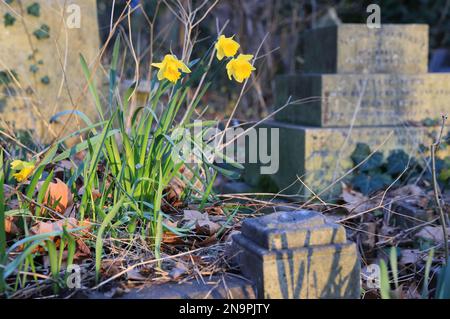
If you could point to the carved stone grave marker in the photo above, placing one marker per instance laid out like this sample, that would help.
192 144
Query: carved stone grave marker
298 255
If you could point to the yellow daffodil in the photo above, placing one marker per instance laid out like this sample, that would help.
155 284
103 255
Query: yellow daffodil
226 47
24 168
240 68
169 68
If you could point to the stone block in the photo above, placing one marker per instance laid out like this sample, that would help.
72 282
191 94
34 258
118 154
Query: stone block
42 50
298 255
362 100
354 48
319 156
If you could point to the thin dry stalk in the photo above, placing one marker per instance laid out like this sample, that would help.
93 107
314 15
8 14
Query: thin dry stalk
436 189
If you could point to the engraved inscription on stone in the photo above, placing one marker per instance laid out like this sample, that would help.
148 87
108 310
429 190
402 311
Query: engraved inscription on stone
354 48
372 99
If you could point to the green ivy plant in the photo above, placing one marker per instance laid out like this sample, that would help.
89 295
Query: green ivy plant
34 9
43 32
45 80
9 19
377 173
6 77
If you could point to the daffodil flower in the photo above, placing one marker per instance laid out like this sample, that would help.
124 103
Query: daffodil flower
169 68
24 168
240 68
226 47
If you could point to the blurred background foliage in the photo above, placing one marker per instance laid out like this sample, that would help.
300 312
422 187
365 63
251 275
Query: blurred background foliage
250 21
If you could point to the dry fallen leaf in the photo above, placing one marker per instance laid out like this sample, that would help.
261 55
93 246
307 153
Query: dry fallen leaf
200 222
82 249
356 202
95 192
59 193
409 256
10 227
177 271
433 233
111 267
48 227
177 184
214 210
408 191
368 234
171 238
135 274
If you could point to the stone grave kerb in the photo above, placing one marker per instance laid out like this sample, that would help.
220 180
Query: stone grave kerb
298 255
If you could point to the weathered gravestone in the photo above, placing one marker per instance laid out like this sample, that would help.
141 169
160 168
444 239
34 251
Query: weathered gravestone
298 255
369 86
40 70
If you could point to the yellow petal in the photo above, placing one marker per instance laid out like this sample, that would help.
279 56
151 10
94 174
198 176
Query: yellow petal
231 68
160 74
158 65
17 164
23 174
169 68
220 55
172 74
183 67
246 57
226 47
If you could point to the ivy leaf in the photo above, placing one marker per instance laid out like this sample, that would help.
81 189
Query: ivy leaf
34 9
45 80
368 184
397 161
42 32
5 77
361 152
9 19
34 68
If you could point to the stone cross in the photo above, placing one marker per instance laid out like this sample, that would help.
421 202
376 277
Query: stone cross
40 70
298 255
359 85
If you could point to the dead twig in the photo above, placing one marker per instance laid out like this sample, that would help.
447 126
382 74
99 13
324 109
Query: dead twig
436 190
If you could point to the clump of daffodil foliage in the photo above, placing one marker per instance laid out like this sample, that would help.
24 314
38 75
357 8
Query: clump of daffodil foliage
127 182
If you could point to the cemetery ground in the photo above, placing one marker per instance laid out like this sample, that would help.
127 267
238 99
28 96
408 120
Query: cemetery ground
113 205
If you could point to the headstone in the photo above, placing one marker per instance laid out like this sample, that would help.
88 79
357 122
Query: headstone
321 155
355 48
377 99
298 255
363 86
40 70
